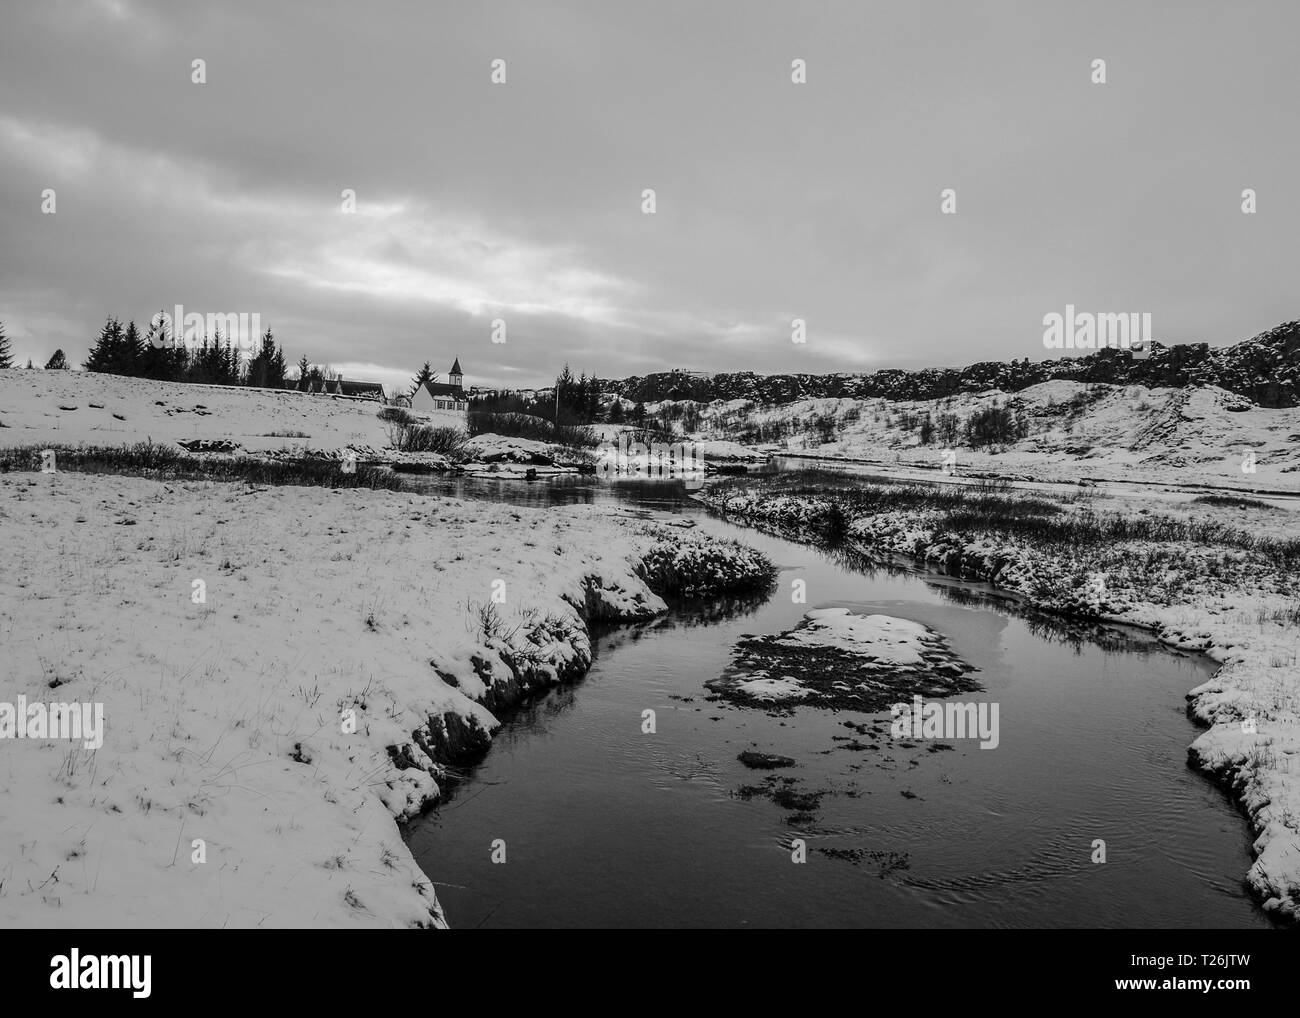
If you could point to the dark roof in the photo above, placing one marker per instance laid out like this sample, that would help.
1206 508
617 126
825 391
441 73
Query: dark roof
338 387
455 368
443 389
361 388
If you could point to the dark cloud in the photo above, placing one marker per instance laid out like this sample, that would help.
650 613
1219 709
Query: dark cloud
522 201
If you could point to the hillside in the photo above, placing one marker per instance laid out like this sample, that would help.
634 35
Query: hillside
1054 431
70 407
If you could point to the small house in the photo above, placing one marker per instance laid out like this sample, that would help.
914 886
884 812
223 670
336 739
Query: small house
446 402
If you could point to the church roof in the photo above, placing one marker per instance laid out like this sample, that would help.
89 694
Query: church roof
455 368
443 389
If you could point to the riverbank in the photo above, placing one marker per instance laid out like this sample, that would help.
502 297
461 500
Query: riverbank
1199 583
285 674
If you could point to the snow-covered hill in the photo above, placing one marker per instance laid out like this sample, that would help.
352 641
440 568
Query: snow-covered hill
1063 431
72 407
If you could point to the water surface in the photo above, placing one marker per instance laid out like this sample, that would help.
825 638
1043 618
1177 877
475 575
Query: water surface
606 826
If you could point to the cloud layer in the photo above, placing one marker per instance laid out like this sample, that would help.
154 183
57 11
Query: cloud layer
522 201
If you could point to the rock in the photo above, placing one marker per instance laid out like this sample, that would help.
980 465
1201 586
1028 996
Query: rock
764 761
208 445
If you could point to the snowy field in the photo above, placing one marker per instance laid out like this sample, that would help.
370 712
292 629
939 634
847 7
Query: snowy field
273 665
71 407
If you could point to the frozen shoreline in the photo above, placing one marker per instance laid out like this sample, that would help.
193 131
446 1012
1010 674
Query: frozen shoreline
226 717
1255 686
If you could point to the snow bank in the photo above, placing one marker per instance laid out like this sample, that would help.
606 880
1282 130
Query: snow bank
488 448
785 688
882 637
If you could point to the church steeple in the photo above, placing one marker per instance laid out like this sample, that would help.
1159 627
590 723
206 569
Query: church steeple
454 377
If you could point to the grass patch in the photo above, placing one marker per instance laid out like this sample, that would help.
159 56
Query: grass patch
868 497
990 509
1232 501
145 459
1289 616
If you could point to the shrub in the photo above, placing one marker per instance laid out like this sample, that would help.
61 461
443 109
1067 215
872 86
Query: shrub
1232 502
677 568
515 425
993 426
396 415
426 438
145 459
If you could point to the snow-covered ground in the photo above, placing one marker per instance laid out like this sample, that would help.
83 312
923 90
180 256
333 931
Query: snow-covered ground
74 407
224 715
879 637
276 667
1235 604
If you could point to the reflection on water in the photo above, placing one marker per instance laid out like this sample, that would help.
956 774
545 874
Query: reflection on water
708 613
562 489
609 825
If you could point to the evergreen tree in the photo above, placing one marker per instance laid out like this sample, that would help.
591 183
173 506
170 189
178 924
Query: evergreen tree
231 369
158 359
196 361
132 359
303 368
278 368
425 374
571 396
213 363
577 397
57 363
106 354
266 370
6 353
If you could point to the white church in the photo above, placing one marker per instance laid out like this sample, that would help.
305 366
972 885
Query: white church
446 402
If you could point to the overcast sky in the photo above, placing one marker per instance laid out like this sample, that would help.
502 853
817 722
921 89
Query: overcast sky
523 200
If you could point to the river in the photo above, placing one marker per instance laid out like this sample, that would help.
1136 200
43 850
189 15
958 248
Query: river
606 826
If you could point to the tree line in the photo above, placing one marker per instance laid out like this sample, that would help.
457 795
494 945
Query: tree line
575 401
122 350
